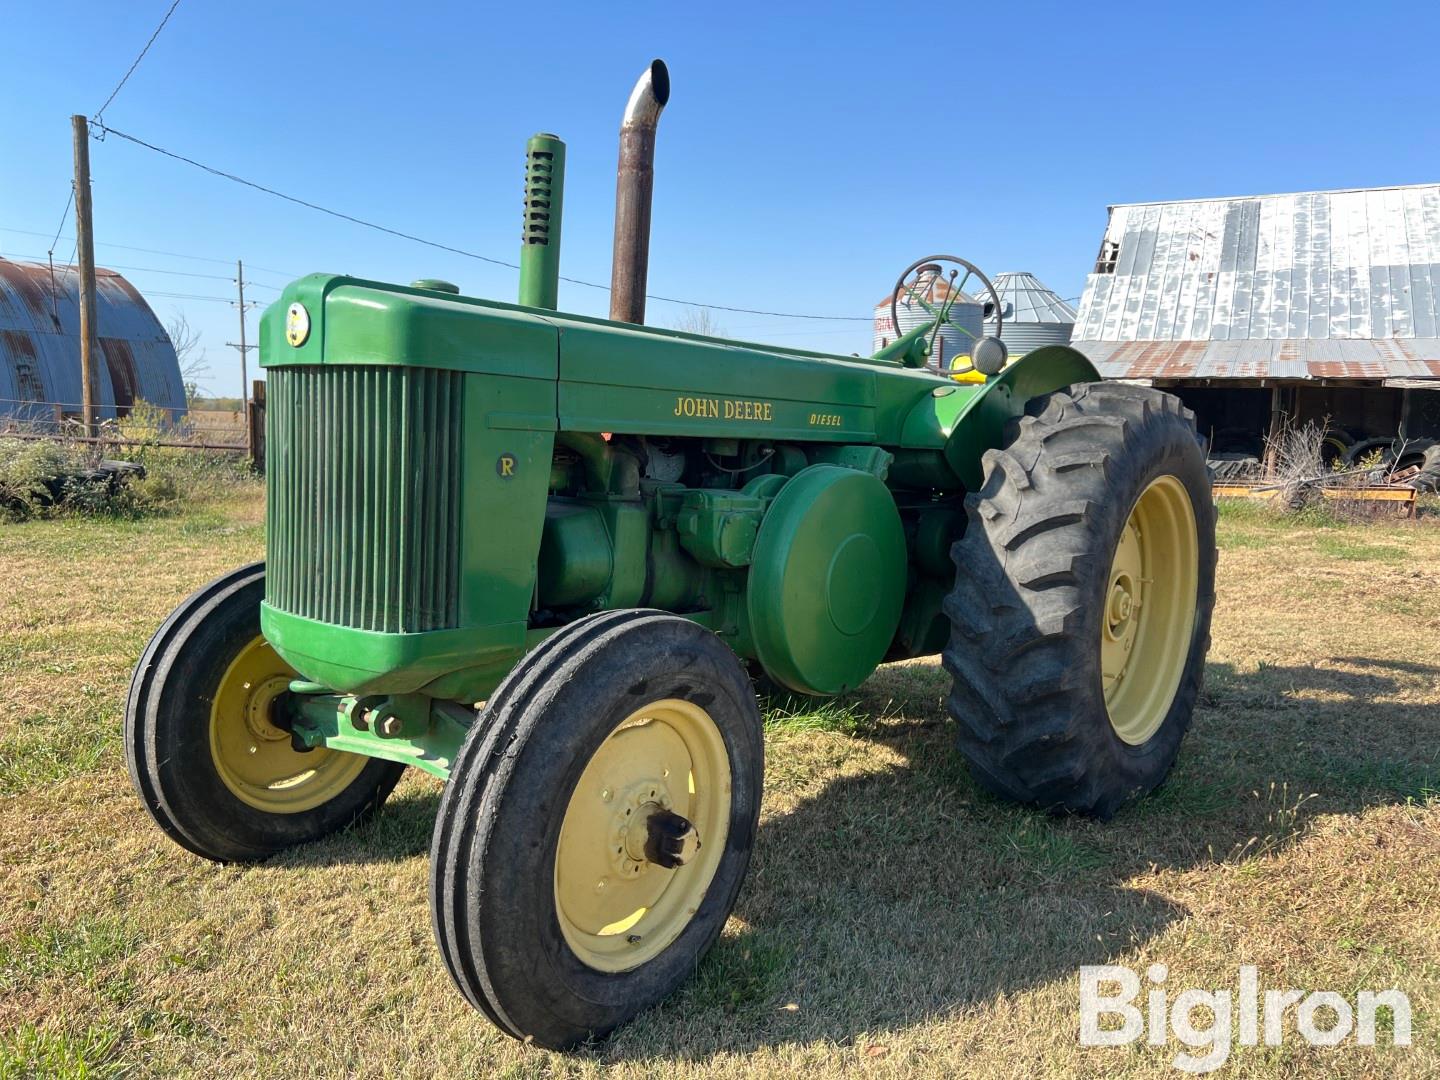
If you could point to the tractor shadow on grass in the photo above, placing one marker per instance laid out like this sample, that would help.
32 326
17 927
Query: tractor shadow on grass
903 893
400 831
900 892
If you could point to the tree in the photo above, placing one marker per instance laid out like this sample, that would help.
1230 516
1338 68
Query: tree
186 342
699 321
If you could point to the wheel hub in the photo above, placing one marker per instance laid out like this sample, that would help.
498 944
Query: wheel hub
260 708
1122 605
630 823
254 757
1149 610
630 865
670 840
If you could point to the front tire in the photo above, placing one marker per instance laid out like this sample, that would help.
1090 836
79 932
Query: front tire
1081 610
210 768
555 907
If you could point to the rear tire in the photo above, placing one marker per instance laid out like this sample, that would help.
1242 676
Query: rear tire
1088 560
547 929
193 716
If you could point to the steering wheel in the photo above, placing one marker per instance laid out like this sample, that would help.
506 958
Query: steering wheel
925 284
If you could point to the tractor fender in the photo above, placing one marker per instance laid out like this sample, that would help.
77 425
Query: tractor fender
980 424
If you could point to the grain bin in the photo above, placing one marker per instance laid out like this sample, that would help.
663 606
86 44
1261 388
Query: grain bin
963 325
40 346
1033 314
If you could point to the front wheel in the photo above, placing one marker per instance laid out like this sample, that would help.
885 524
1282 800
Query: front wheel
597 825
1081 612
211 768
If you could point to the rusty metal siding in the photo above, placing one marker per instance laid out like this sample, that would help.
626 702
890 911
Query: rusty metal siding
40 344
1272 358
1350 280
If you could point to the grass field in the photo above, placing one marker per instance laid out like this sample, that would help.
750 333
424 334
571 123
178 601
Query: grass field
895 920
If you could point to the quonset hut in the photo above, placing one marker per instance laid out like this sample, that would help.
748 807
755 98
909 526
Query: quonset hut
40 346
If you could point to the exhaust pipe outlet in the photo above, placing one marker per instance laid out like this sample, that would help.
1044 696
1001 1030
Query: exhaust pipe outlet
634 186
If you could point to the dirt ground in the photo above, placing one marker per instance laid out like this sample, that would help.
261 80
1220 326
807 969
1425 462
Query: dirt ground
895 920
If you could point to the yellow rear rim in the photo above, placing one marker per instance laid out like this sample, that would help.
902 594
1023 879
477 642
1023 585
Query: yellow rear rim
616 908
253 757
1149 615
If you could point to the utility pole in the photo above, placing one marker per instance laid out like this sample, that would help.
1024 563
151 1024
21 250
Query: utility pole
85 245
244 372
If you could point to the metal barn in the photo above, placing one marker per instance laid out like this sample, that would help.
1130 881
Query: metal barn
1320 305
40 346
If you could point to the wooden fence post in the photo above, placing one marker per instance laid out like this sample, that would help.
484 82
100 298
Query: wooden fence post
255 421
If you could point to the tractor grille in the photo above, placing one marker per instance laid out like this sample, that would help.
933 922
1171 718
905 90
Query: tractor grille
363 495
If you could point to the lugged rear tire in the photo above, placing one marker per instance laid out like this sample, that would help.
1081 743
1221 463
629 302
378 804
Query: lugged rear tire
522 782
178 766
1037 593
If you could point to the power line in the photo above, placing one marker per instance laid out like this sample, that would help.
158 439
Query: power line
69 201
107 130
158 270
126 78
198 296
156 251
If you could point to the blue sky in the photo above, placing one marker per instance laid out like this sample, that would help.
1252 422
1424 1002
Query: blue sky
809 151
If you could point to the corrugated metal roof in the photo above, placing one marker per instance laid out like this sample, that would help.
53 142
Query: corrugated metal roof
1296 358
40 343
1322 284
1029 299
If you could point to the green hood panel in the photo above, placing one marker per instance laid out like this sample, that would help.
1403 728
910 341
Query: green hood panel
364 322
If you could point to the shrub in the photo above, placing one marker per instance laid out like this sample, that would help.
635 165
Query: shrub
31 472
46 478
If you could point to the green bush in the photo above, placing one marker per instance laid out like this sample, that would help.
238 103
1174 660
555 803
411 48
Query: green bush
176 474
43 478
28 468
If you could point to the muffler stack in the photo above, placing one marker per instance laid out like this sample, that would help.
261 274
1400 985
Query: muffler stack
634 184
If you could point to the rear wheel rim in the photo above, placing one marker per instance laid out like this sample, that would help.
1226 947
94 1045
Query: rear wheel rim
616 909
1149 610
255 759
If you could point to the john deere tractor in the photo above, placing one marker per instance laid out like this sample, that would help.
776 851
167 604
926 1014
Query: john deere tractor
542 556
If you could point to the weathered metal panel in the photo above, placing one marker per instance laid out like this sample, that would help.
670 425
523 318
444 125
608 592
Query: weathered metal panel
1270 358
1358 266
1422 254
40 345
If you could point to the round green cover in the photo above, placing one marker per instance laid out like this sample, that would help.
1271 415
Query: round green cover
828 580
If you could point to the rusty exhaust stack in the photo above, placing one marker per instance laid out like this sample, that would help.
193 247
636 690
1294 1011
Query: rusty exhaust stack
634 184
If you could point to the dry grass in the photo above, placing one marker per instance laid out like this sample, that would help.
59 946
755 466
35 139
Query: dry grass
895 919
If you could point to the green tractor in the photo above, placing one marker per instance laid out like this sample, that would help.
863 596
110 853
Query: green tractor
542 556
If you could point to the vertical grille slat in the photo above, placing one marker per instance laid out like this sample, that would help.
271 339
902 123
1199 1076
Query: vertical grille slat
363 499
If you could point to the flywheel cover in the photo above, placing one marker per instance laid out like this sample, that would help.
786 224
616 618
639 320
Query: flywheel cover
827 582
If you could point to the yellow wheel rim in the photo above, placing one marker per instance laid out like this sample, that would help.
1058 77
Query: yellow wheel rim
616 908
253 757
1149 616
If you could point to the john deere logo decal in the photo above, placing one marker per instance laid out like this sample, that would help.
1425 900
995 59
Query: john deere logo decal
297 325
